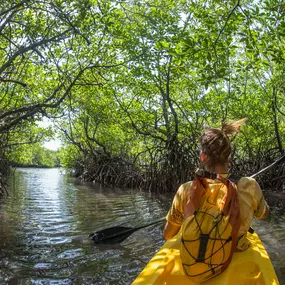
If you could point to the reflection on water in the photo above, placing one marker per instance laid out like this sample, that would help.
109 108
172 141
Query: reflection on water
44 226
45 222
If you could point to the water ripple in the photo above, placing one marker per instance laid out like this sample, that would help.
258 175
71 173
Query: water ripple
45 222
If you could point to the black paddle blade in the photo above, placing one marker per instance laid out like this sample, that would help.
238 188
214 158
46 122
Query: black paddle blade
117 234
112 235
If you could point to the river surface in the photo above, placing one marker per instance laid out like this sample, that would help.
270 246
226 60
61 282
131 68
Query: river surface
46 220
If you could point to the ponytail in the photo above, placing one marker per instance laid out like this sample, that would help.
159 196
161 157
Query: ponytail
233 127
215 143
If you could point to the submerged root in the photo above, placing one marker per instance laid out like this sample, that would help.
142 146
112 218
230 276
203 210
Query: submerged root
165 176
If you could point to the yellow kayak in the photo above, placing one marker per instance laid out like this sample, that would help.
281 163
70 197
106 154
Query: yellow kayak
251 267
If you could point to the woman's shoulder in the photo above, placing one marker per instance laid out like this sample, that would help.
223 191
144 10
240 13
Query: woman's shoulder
248 184
183 190
246 180
185 186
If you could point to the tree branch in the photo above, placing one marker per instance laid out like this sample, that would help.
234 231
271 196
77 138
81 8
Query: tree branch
93 139
14 7
13 81
33 46
225 24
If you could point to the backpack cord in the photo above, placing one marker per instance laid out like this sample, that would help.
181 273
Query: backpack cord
204 238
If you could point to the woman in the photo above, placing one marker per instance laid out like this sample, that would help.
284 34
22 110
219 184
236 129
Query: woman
214 155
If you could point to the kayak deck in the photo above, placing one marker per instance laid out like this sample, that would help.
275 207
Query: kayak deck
251 267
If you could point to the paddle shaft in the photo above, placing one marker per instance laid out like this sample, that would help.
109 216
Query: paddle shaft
150 224
269 166
131 230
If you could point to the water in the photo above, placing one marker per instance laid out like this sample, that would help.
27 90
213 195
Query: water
46 220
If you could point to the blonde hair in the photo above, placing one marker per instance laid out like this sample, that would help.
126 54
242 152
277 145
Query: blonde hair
215 143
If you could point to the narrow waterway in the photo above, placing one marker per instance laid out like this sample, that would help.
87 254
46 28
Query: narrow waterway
46 220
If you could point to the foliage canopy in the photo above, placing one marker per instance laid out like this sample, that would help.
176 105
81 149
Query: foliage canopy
131 84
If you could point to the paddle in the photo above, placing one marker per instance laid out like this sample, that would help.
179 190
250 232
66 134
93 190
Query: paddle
118 234
269 166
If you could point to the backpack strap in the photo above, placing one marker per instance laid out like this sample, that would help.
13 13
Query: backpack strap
234 178
232 209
